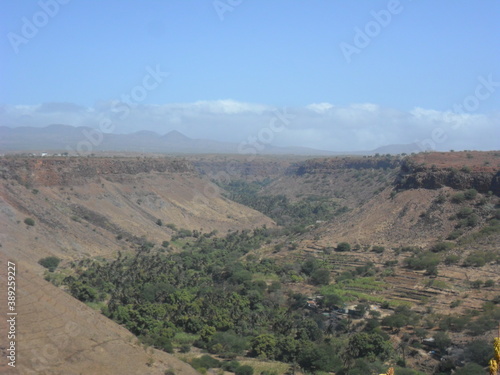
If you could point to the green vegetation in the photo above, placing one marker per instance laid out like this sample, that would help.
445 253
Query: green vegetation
423 261
479 258
207 296
29 221
458 198
50 263
278 207
343 246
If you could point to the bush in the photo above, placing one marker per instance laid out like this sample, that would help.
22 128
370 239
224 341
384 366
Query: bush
489 283
29 221
205 361
422 261
343 246
470 194
478 259
454 235
451 259
441 198
244 370
320 277
464 212
479 351
227 343
476 284
231 366
441 246
472 220
378 249
50 263
458 198
442 340
470 369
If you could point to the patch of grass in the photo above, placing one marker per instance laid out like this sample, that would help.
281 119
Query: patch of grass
183 338
266 277
435 283
279 368
95 305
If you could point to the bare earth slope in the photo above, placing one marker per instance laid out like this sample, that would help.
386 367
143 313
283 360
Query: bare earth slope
87 207
57 334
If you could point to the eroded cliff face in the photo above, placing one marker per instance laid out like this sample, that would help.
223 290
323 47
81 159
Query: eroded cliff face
97 206
414 176
331 165
69 171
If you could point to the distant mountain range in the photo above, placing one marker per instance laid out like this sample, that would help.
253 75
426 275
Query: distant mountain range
85 140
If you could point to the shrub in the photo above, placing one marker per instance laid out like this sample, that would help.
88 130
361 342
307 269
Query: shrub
422 261
476 284
464 212
489 283
244 370
441 246
29 221
227 343
320 277
343 246
378 249
205 361
442 340
470 369
470 221
454 235
478 351
231 366
457 198
441 198
470 194
478 259
50 263
451 259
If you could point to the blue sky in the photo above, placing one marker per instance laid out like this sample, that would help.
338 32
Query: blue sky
231 62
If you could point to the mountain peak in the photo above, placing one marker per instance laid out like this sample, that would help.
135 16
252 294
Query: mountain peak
176 136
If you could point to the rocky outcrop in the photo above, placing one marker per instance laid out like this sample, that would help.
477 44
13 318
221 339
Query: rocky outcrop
330 165
413 176
68 171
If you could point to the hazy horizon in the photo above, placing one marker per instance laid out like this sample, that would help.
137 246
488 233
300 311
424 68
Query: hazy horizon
325 75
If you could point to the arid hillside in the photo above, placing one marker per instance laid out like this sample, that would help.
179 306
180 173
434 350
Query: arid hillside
59 335
75 208
97 206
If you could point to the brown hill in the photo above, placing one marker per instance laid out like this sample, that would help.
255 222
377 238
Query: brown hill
84 207
58 335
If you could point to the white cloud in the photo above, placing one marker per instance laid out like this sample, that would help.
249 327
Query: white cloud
362 126
320 107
